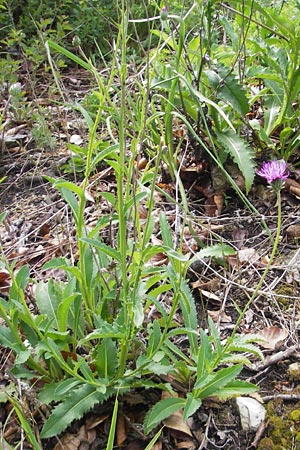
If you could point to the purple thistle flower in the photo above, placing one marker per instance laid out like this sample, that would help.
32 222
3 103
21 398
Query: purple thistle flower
275 172
164 13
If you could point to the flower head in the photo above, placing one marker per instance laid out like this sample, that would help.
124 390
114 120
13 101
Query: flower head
275 172
164 13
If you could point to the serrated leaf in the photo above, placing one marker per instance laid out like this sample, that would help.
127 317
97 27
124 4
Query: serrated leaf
192 405
73 407
54 392
163 409
217 381
215 251
189 314
229 89
106 358
236 388
271 114
247 348
204 355
48 297
241 153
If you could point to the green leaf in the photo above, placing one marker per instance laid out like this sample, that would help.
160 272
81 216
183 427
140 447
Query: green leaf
48 297
106 358
72 407
236 388
163 409
103 248
68 54
215 251
154 339
229 89
55 392
204 356
271 114
166 231
189 313
241 153
217 381
192 405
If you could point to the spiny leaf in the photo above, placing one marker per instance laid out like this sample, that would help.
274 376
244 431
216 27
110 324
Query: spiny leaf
241 153
73 407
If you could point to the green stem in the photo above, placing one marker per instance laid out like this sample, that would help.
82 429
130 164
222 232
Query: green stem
122 238
265 273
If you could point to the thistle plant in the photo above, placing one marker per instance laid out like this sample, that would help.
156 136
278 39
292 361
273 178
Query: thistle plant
275 172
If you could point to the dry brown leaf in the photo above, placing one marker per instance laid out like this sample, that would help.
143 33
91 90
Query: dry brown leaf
94 421
210 295
68 442
248 256
219 316
239 235
86 436
273 337
157 446
175 422
190 445
219 202
121 431
292 187
293 231
211 285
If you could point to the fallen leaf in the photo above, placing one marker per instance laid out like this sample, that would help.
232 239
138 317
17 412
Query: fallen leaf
219 316
175 422
68 442
121 431
293 231
210 295
248 255
190 445
272 337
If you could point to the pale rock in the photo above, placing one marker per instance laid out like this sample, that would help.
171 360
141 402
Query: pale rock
252 413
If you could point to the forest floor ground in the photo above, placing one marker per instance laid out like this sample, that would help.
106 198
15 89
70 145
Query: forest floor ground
38 227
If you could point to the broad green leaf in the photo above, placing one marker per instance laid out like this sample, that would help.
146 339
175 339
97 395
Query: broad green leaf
204 355
54 392
189 313
104 154
166 231
22 279
48 296
236 388
271 114
246 348
215 251
7 338
163 409
154 339
228 89
105 358
240 152
192 405
217 381
63 312
72 407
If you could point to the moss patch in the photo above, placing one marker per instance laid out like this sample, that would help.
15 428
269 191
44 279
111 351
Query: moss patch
283 430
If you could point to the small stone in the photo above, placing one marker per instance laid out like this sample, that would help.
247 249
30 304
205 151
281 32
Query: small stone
294 371
252 413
